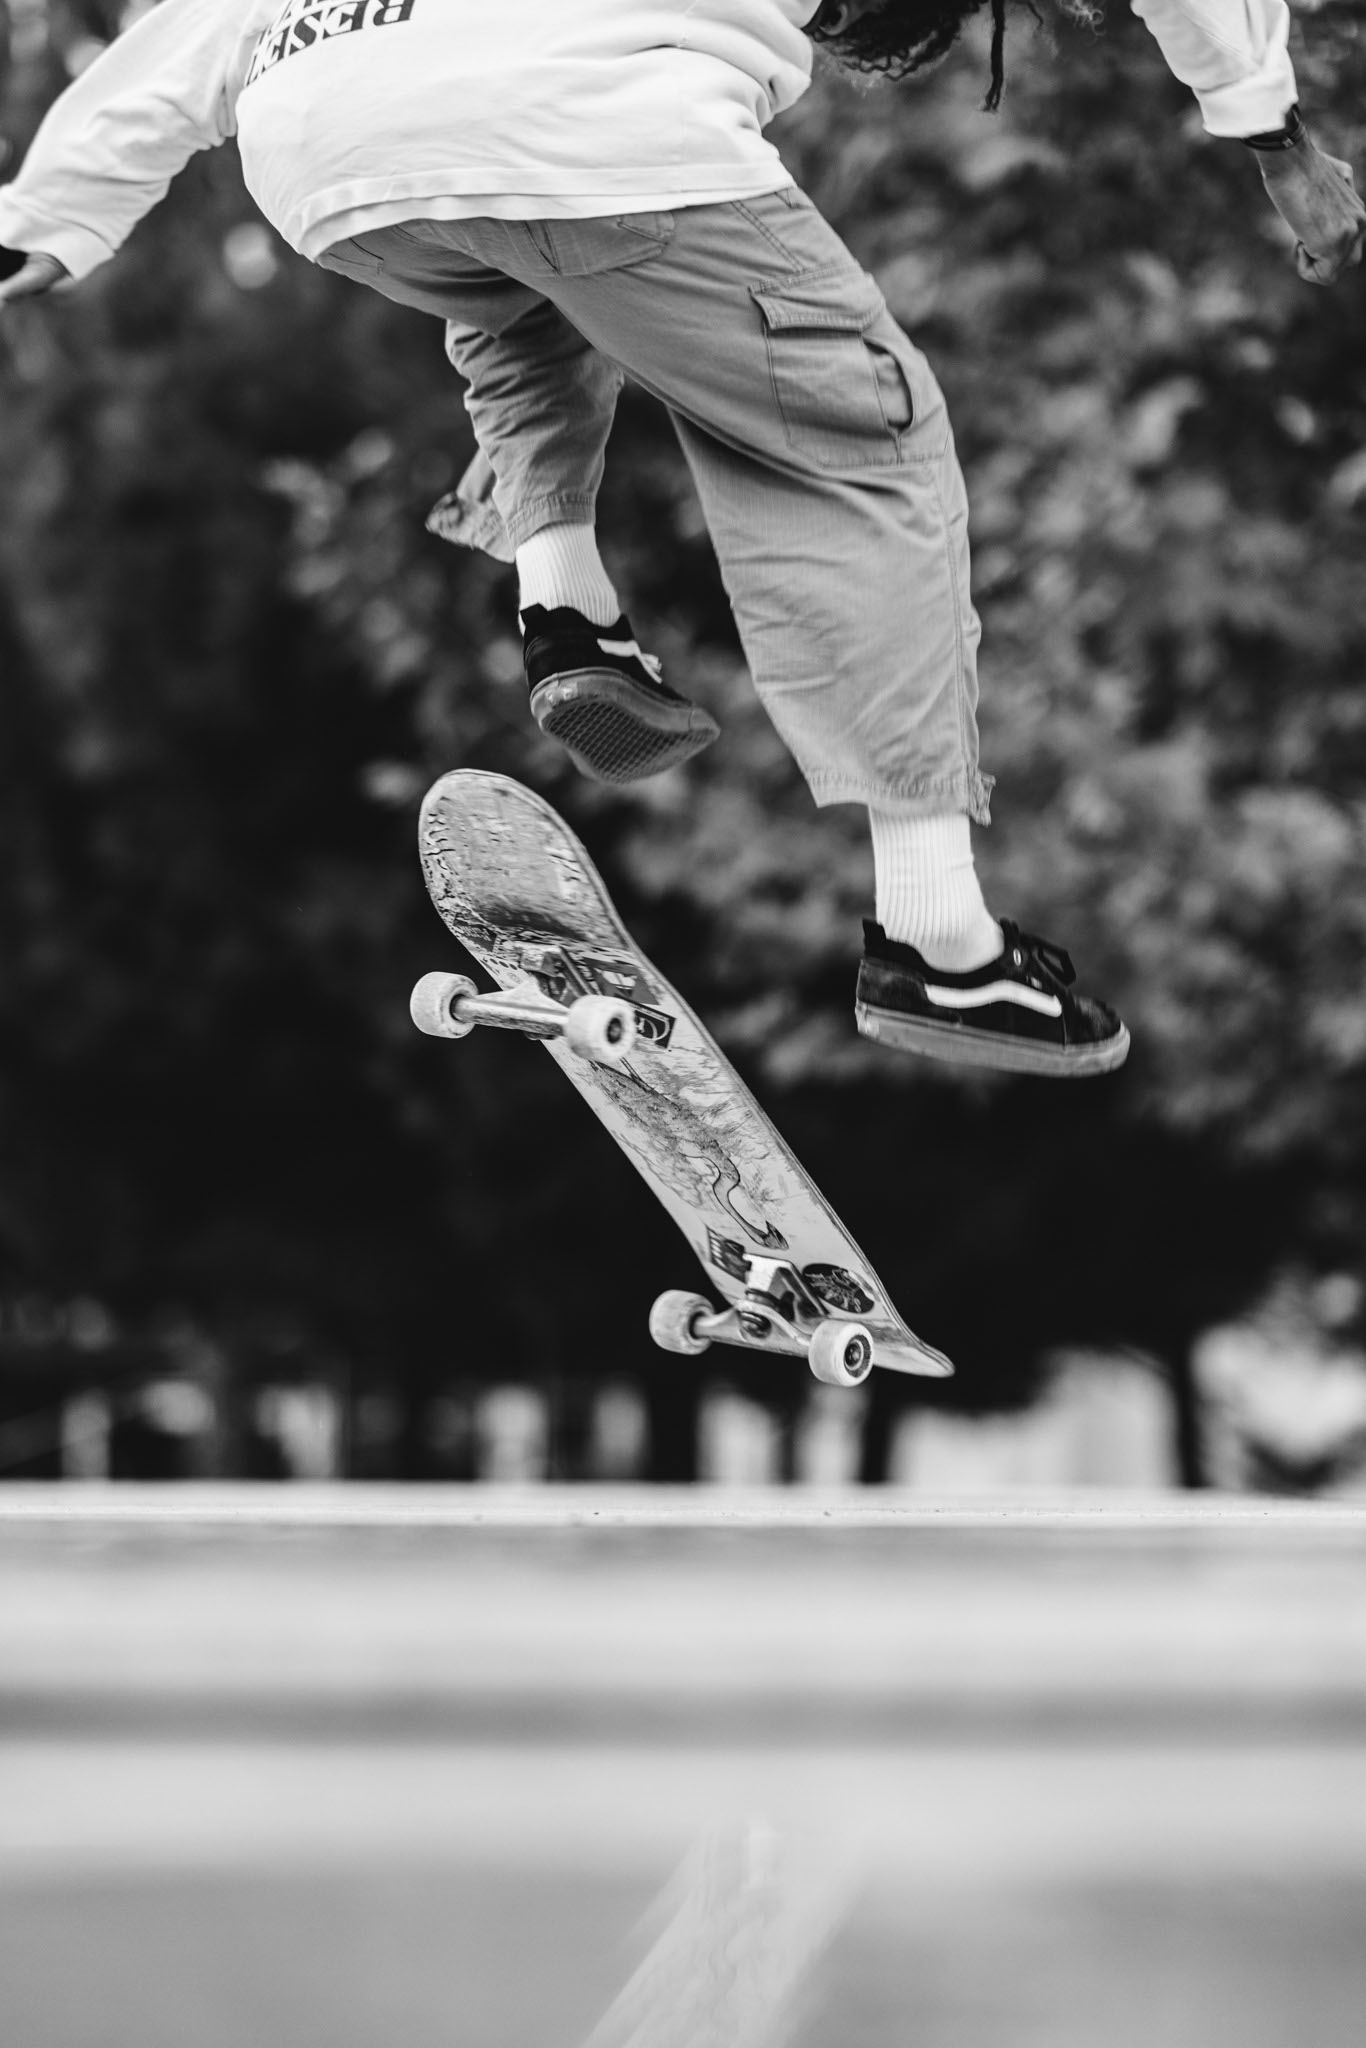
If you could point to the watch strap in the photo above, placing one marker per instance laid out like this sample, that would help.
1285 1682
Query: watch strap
1287 137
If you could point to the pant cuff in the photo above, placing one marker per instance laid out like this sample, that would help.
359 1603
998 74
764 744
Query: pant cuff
467 524
968 792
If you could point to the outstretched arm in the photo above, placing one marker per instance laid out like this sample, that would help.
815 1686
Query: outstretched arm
1234 55
111 143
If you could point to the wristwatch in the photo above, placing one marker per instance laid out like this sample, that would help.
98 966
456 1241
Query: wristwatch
1287 137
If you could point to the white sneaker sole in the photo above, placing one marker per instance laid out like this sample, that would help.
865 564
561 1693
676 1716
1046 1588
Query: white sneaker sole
613 730
959 1045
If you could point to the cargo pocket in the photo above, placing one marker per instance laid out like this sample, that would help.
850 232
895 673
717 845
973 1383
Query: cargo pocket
842 370
350 259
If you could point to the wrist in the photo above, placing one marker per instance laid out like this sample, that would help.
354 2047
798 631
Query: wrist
1290 136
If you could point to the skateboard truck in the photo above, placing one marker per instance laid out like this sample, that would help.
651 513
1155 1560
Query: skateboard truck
776 1312
601 1028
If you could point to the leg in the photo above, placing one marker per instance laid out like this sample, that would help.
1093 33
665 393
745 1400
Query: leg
540 399
821 447
816 432
542 402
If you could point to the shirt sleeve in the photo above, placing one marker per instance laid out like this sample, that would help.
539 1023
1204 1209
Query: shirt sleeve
112 142
1233 54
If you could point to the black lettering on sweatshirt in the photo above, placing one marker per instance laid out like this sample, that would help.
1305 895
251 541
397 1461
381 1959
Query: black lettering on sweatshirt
302 23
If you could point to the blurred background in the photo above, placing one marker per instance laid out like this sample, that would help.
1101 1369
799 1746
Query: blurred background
252 1224
1020 1715
330 1766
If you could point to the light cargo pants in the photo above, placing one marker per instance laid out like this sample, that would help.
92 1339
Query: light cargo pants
816 433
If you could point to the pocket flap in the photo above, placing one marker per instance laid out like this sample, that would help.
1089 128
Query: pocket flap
821 298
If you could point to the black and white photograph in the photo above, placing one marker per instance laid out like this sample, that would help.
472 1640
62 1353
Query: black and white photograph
682 1023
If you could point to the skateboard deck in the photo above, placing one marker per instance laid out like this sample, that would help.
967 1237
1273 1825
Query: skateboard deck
517 889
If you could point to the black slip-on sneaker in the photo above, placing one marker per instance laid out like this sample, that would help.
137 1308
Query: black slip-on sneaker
604 701
1018 1013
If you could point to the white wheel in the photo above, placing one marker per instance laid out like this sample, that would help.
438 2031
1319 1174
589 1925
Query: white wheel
432 1004
600 1028
672 1319
841 1354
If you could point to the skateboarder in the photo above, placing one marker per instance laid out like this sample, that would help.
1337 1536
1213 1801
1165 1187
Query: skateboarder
582 189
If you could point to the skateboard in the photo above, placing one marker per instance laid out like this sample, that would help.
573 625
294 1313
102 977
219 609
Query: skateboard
517 889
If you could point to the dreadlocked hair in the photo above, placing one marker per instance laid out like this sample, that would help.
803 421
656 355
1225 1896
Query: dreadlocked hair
902 36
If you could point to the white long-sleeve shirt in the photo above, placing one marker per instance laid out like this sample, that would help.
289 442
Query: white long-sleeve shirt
354 114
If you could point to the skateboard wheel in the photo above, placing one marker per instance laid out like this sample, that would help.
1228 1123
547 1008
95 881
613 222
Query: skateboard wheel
601 1028
432 1004
672 1319
841 1354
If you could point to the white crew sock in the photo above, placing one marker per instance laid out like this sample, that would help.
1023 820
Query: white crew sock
928 895
561 565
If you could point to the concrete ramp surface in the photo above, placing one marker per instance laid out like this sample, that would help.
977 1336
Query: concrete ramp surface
351 1765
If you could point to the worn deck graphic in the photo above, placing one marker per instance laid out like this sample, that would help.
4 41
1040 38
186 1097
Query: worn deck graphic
519 892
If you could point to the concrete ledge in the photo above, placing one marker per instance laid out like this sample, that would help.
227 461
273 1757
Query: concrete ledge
603 1615
362 1506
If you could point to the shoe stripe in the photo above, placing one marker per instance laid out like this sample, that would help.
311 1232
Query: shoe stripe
994 992
631 650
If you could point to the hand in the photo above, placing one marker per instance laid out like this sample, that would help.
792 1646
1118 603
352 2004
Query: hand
36 273
1316 197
